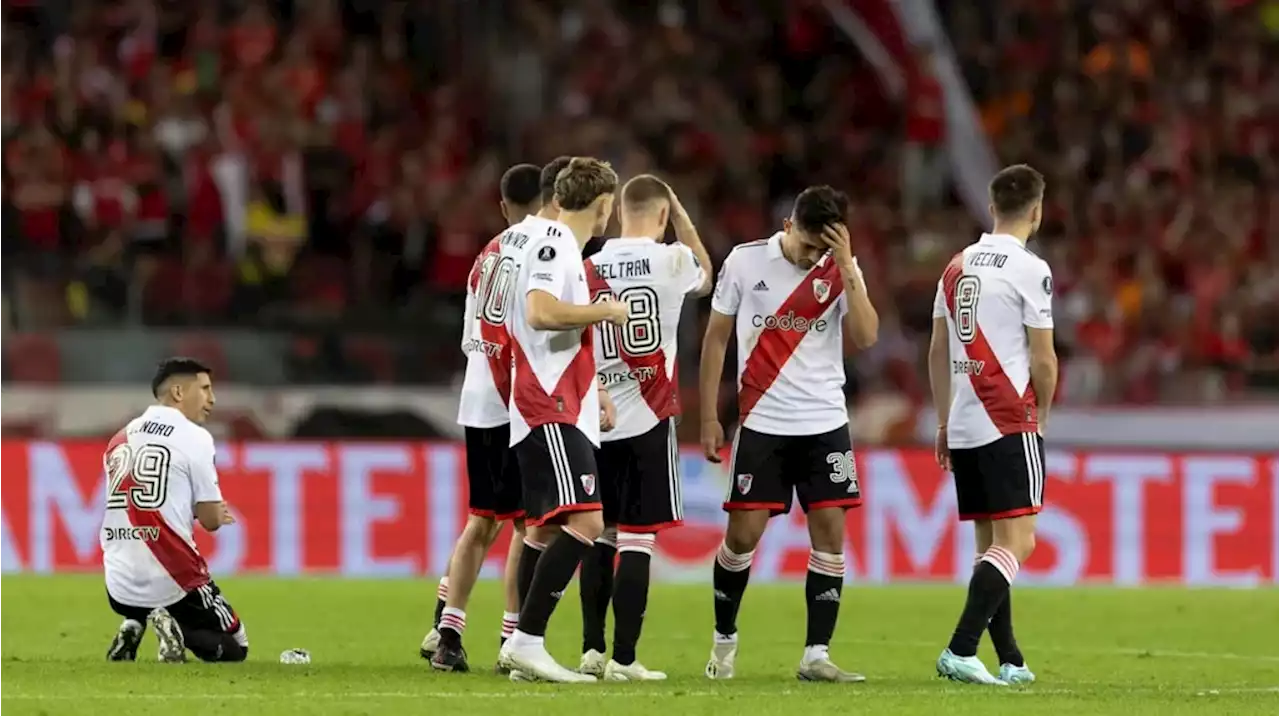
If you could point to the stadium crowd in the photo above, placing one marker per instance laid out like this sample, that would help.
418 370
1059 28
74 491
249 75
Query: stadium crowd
315 162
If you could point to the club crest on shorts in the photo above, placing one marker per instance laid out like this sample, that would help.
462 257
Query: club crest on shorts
821 289
588 483
744 483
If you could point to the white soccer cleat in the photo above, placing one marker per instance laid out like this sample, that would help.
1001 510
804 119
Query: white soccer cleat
532 660
1011 674
825 670
430 643
519 677
173 650
723 655
635 671
592 663
965 669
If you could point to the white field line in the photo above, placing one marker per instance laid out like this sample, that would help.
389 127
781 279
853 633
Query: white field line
596 692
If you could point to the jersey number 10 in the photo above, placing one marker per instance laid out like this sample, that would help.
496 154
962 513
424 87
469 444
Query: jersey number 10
148 466
496 275
642 335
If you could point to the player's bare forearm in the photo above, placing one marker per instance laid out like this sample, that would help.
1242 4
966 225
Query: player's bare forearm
939 370
548 313
1044 368
714 345
861 323
687 234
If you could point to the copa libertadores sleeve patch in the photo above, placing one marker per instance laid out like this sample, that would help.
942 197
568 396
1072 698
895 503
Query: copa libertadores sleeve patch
546 253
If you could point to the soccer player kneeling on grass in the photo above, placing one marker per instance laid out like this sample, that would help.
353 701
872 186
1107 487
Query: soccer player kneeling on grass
792 299
160 478
993 372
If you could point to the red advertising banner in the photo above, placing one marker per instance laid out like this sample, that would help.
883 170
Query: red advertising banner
394 509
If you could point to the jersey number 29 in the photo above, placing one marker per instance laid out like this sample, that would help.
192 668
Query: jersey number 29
642 335
148 465
966 308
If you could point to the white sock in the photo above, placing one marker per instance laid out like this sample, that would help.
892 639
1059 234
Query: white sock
726 639
519 639
814 653
453 618
509 621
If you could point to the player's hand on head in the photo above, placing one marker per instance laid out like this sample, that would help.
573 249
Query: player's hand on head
712 440
836 237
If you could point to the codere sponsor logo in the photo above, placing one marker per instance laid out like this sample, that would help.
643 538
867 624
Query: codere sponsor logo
789 321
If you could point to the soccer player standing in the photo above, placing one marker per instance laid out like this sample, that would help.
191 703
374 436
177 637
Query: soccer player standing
555 406
493 477
487 393
639 458
993 372
160 479
791 299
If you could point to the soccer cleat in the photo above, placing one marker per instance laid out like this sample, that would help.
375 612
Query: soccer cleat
532 660
825 670
450 657
519 677
592 663
720 665
125 646
1011 674
173 650
635 671
965 669
430 643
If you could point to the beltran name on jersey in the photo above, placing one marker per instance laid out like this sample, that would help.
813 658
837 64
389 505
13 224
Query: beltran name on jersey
486 386
553 372
157 469
990 293
636 362
790 339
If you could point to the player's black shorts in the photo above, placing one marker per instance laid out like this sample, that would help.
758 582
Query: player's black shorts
493 474
1001 479
558 472
640 480
765 469
202 609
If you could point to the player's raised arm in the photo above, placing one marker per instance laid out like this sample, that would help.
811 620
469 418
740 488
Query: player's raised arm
861 322
940 376
687 234
1037 318
550 273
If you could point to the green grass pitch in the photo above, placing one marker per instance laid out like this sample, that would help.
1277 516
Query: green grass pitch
1095 650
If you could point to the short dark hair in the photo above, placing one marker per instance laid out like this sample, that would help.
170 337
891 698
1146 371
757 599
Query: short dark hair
547 182
583 181
818 207
1015 190
521 185
643 189
177 366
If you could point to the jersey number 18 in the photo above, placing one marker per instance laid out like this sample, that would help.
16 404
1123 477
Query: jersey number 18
642 335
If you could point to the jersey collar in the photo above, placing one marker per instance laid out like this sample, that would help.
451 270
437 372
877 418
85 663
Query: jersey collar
774 247
998 238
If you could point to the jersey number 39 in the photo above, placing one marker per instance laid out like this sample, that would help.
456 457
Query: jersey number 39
642 334
146 471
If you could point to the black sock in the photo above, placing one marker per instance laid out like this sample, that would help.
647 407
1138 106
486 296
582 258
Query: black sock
442 593
529 556
596 588
822 588
988 587
631 594
554 571
1001 631
212 645
729 580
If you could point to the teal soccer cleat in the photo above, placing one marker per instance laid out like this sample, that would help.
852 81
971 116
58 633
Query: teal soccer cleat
966 669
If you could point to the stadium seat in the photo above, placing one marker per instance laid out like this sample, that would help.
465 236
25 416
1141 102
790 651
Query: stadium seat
33 358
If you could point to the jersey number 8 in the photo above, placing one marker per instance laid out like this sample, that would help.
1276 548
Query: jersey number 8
148 466
496 275
642 335
966 308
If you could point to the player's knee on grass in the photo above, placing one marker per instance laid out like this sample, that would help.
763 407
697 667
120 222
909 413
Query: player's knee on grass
826 529
1016 534
745 529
